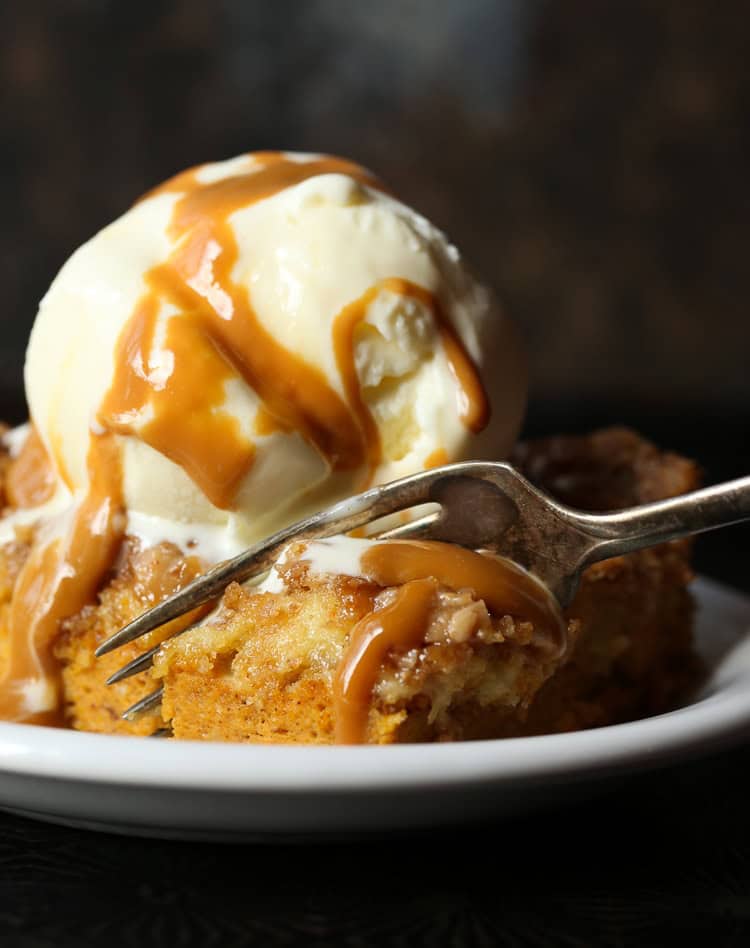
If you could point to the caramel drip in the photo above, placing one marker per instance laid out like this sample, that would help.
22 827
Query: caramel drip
186 423
438 458
57 580
30 479
505 587
219 327
416 566
399 626
344 328
473 404
265 424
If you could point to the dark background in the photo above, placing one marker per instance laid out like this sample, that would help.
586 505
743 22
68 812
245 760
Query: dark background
591 158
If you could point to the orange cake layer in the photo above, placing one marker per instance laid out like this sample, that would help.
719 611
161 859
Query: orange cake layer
265 669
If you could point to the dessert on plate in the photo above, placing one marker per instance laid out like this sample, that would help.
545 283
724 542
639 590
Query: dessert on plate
252 341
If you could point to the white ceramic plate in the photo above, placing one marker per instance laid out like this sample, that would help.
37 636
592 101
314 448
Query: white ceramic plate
194 790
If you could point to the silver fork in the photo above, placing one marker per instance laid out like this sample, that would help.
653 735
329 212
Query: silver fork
482 505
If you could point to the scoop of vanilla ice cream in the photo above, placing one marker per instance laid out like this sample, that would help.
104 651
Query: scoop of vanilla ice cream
303 255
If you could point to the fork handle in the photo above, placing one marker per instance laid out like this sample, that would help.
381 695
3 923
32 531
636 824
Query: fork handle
683 516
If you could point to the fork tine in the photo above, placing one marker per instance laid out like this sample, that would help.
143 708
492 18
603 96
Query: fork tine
346 515
145 704
143 661
412 530
197 593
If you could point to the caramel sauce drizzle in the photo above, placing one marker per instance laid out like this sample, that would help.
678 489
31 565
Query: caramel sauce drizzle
437 458
266 424
58 580
217 319
30 479
417 568
399 626
187 423
473 404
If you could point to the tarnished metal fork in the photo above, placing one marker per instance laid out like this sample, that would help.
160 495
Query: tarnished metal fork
482 505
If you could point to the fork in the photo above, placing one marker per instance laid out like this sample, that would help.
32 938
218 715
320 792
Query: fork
481 505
